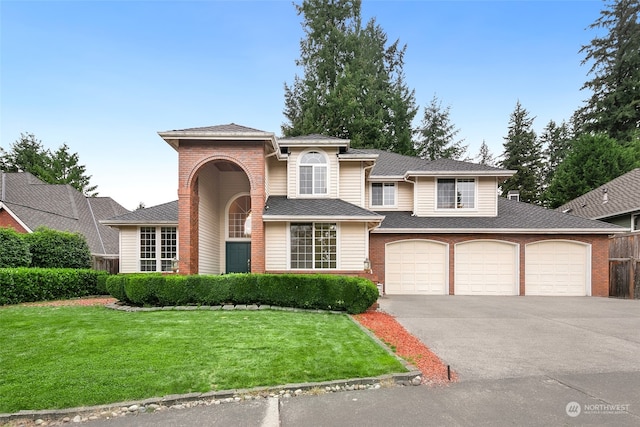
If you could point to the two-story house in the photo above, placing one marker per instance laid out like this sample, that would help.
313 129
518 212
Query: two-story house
249 201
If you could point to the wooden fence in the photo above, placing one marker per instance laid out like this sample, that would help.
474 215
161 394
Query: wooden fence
112 265
624 266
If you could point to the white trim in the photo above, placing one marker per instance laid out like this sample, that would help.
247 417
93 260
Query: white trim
313 227
320 218
158 259
383 206
446 261
15 217
442 174
455 208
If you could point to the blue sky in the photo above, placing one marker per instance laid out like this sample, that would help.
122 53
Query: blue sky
105 76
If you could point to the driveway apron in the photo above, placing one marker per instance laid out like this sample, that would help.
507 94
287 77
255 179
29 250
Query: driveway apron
487 337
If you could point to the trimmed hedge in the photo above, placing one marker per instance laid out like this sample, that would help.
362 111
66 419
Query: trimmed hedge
14 250
312 291
58 249
19 285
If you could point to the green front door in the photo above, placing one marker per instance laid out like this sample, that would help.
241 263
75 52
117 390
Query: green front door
238 257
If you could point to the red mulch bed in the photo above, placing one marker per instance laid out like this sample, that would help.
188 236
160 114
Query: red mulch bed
385 327
76 301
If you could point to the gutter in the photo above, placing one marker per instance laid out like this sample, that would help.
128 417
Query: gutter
498 231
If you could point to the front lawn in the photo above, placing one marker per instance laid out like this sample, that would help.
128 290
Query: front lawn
58 357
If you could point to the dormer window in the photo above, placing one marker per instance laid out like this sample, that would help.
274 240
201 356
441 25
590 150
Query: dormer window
456 193
313 173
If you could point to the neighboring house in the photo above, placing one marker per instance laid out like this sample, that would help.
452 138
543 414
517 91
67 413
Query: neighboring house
27 203
616 202
248 201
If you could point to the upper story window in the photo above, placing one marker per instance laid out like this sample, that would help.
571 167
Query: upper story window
383 194
313 173
456 193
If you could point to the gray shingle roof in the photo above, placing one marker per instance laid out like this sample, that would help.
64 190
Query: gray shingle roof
512 216
314 137
61 207
227 128
166 213
393 164
281 206
623 196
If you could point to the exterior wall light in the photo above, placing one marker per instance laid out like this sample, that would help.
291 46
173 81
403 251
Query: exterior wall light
247 225
367 265
174 264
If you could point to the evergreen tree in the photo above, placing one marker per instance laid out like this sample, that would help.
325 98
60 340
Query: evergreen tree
353 85
61 167
594 160
556 144
522 153
614 106
485 157
436 137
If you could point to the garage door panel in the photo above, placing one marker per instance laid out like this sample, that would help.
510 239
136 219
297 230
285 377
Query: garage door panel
486 267
416 267
557 268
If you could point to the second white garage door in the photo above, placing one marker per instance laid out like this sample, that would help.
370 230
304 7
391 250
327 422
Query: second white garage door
416 267
486 267
557 267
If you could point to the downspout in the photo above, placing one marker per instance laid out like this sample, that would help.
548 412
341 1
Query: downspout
2 190
413 213
364 183
95 223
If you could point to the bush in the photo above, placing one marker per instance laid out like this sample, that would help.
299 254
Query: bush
14 250
19 285
312 291
58 249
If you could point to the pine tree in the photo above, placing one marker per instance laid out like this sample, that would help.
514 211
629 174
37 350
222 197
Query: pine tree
522 153
485 157
353 85
436 136
614 106
556 144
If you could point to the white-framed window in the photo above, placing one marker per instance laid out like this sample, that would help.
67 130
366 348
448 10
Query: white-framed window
237 213
457 193
312 176
313 245
158 247
635 222
383 194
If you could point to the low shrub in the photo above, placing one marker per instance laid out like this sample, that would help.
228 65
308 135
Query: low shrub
312 291
19 285
14 250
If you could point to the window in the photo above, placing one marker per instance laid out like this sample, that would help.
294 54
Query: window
313 173
154 241
635 222
456 193
313 246
238 212
383 194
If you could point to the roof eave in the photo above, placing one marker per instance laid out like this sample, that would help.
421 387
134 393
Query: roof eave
501 230
338 218
116 223
498 174
173 137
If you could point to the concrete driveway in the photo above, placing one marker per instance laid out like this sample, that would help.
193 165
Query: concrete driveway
488 337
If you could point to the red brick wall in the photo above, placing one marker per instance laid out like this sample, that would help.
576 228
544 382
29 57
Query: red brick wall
599 253
193 155
6 220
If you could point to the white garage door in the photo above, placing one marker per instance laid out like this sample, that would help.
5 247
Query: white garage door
557 268
486 267
416 267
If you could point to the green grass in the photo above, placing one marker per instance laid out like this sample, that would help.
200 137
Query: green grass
73 356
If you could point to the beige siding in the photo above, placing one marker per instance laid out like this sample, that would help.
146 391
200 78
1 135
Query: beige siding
353 246
486 199
351 186
276 247
277 177
209 227
129 240
405 196
332 172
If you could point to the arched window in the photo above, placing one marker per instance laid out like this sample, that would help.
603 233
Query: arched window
239 209
313 173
